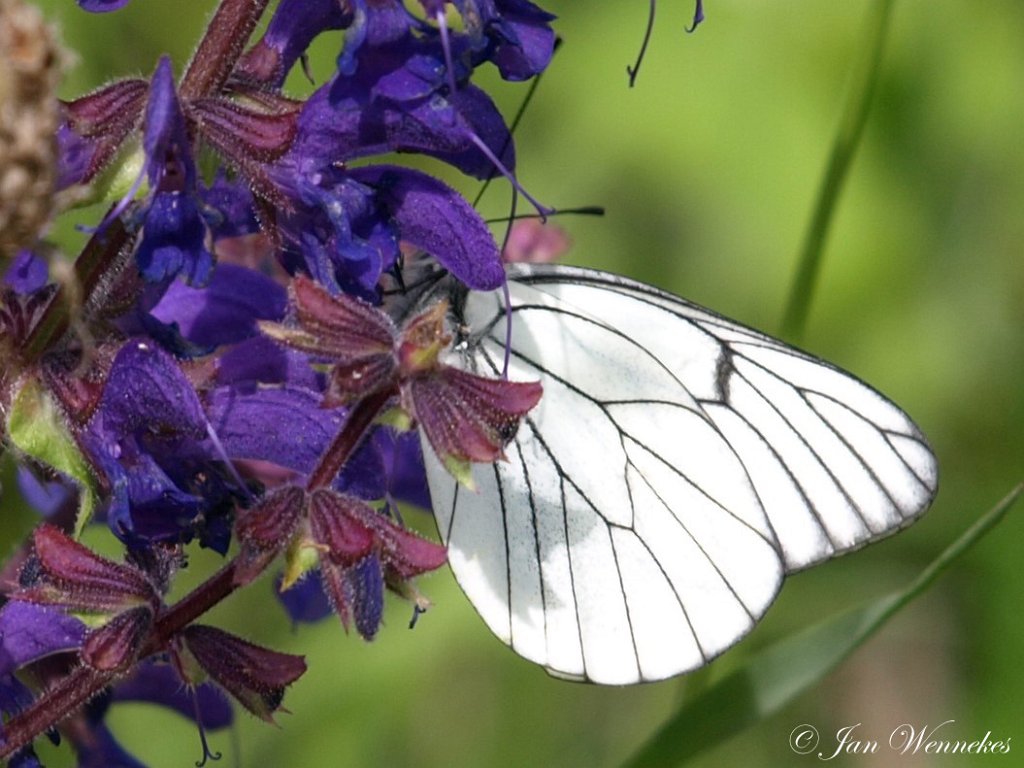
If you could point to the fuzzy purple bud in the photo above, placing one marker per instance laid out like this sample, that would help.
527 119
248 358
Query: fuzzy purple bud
115 646
62 572
266 529
255 676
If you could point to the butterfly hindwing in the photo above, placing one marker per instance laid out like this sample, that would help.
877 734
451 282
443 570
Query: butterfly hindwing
677 466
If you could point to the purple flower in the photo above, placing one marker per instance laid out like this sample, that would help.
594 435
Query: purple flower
47 497
101 6
363 550
29 633
178 214
149 437
173 231
27 273
294 26
226 310
514 34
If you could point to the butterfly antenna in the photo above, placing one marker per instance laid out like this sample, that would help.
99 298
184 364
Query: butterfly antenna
583 210
633 71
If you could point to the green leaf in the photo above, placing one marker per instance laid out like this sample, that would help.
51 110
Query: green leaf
776 675
37 427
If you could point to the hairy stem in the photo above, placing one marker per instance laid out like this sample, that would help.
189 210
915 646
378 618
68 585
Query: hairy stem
358 423
59 702
98 260
215 58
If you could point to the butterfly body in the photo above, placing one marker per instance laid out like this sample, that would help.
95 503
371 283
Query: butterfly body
677 468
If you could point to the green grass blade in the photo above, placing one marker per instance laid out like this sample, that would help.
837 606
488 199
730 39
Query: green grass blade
776 675
863 79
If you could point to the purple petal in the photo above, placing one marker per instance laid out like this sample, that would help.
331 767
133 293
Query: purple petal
27 273
146 389
436 218
250 425
173 240
337 233
364 474
101 750
234 202
165 138
226 310
379 25
29 632
101 6
340 122
402 457
260 360
521 39
479 115
293 27
46 497
366 581
305 601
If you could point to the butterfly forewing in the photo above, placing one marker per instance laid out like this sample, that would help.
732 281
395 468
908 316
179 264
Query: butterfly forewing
677 466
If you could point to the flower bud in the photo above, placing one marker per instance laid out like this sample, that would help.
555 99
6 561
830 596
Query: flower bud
255 676
114 647
60 571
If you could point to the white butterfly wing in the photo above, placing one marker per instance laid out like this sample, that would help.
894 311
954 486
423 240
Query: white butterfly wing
678 465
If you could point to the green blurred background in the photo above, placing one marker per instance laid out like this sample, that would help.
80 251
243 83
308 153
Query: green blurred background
708 170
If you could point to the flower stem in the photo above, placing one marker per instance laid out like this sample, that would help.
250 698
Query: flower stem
218 52
98 259
863 80
59 702
351 434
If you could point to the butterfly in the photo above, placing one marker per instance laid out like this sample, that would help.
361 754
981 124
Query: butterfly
677 468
